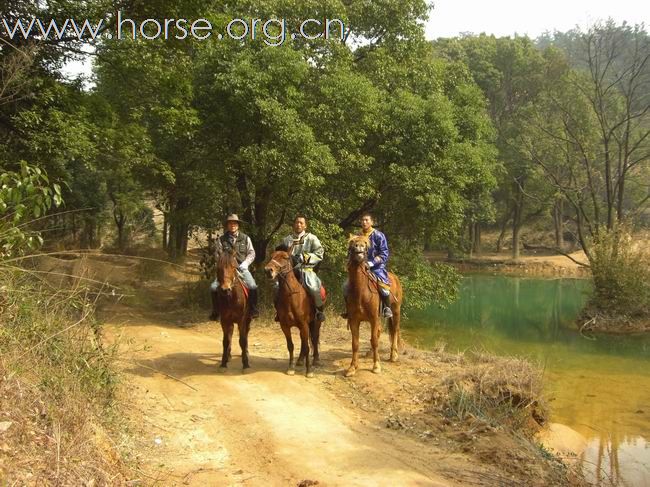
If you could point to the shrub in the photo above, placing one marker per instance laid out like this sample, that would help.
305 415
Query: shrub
58 386
621 272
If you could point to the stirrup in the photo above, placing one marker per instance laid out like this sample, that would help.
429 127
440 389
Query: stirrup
387 312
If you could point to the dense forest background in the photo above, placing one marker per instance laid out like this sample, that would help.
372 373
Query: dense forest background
441 140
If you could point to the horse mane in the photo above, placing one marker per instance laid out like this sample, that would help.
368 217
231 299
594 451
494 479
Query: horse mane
285 253
354 238
283 247
226 259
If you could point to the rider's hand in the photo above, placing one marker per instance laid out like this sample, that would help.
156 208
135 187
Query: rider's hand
242 267
378 260
371 264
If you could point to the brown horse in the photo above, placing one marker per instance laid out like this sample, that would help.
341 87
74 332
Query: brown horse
363 304
233 307
294 308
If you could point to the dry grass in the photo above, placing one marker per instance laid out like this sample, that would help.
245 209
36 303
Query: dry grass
502 391
57 387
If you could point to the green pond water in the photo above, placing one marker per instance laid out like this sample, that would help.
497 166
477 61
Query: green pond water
599 387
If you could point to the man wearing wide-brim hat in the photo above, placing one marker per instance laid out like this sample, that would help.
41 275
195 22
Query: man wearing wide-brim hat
241 245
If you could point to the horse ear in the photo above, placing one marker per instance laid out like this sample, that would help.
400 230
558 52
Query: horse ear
282 248
351 237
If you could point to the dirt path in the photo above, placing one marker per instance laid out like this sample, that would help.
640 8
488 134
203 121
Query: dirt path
263 427
195 426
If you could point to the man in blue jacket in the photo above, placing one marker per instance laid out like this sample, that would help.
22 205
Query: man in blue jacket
378 254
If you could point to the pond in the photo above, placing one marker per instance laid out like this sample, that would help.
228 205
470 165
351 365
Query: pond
598 386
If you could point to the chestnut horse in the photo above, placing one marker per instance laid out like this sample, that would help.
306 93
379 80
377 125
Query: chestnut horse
233 307
363 304
295 308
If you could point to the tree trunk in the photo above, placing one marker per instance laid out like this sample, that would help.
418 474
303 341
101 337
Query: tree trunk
164 230
185 229
476 243
120 234
558 217
504 227
516 223
471 229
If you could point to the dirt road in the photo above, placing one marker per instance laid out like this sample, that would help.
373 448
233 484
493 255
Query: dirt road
263 427
196 426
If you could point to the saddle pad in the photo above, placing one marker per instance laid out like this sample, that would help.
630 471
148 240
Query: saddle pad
323 293
244 288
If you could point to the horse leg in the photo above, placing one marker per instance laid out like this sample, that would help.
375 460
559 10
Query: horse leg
227 329
375 329
243 341
354 328
301 358
393 326
314 335
287 334
304 348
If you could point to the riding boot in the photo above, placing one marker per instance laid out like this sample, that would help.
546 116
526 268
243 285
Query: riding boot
214 296
320 316
385 301
252 302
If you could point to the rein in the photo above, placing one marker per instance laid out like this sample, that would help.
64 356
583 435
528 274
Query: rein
236 280
372 282
283 273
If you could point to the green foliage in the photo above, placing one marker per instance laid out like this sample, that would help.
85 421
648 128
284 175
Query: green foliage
423 282
621 272
25 196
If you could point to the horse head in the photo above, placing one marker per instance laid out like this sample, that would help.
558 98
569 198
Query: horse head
358 248
226 270
279 264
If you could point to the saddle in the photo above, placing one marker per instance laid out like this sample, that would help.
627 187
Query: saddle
373 285
323 291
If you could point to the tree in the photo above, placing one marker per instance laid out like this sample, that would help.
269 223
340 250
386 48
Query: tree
510 73
596 120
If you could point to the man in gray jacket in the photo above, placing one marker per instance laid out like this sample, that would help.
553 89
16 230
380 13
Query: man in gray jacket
306 252
242 246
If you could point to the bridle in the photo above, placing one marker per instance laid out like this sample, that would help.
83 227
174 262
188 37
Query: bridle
283 271
223 269
365 270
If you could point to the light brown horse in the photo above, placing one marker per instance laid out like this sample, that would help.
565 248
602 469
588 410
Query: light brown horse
363 304
233 308
295 309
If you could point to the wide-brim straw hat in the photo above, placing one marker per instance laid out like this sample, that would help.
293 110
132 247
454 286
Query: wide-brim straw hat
233 218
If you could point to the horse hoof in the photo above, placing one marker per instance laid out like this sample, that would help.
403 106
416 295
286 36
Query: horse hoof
376 369
310 375
222 369
394 358
350 372
247 369
291 372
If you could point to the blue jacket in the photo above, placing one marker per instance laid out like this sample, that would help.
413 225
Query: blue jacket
378 248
